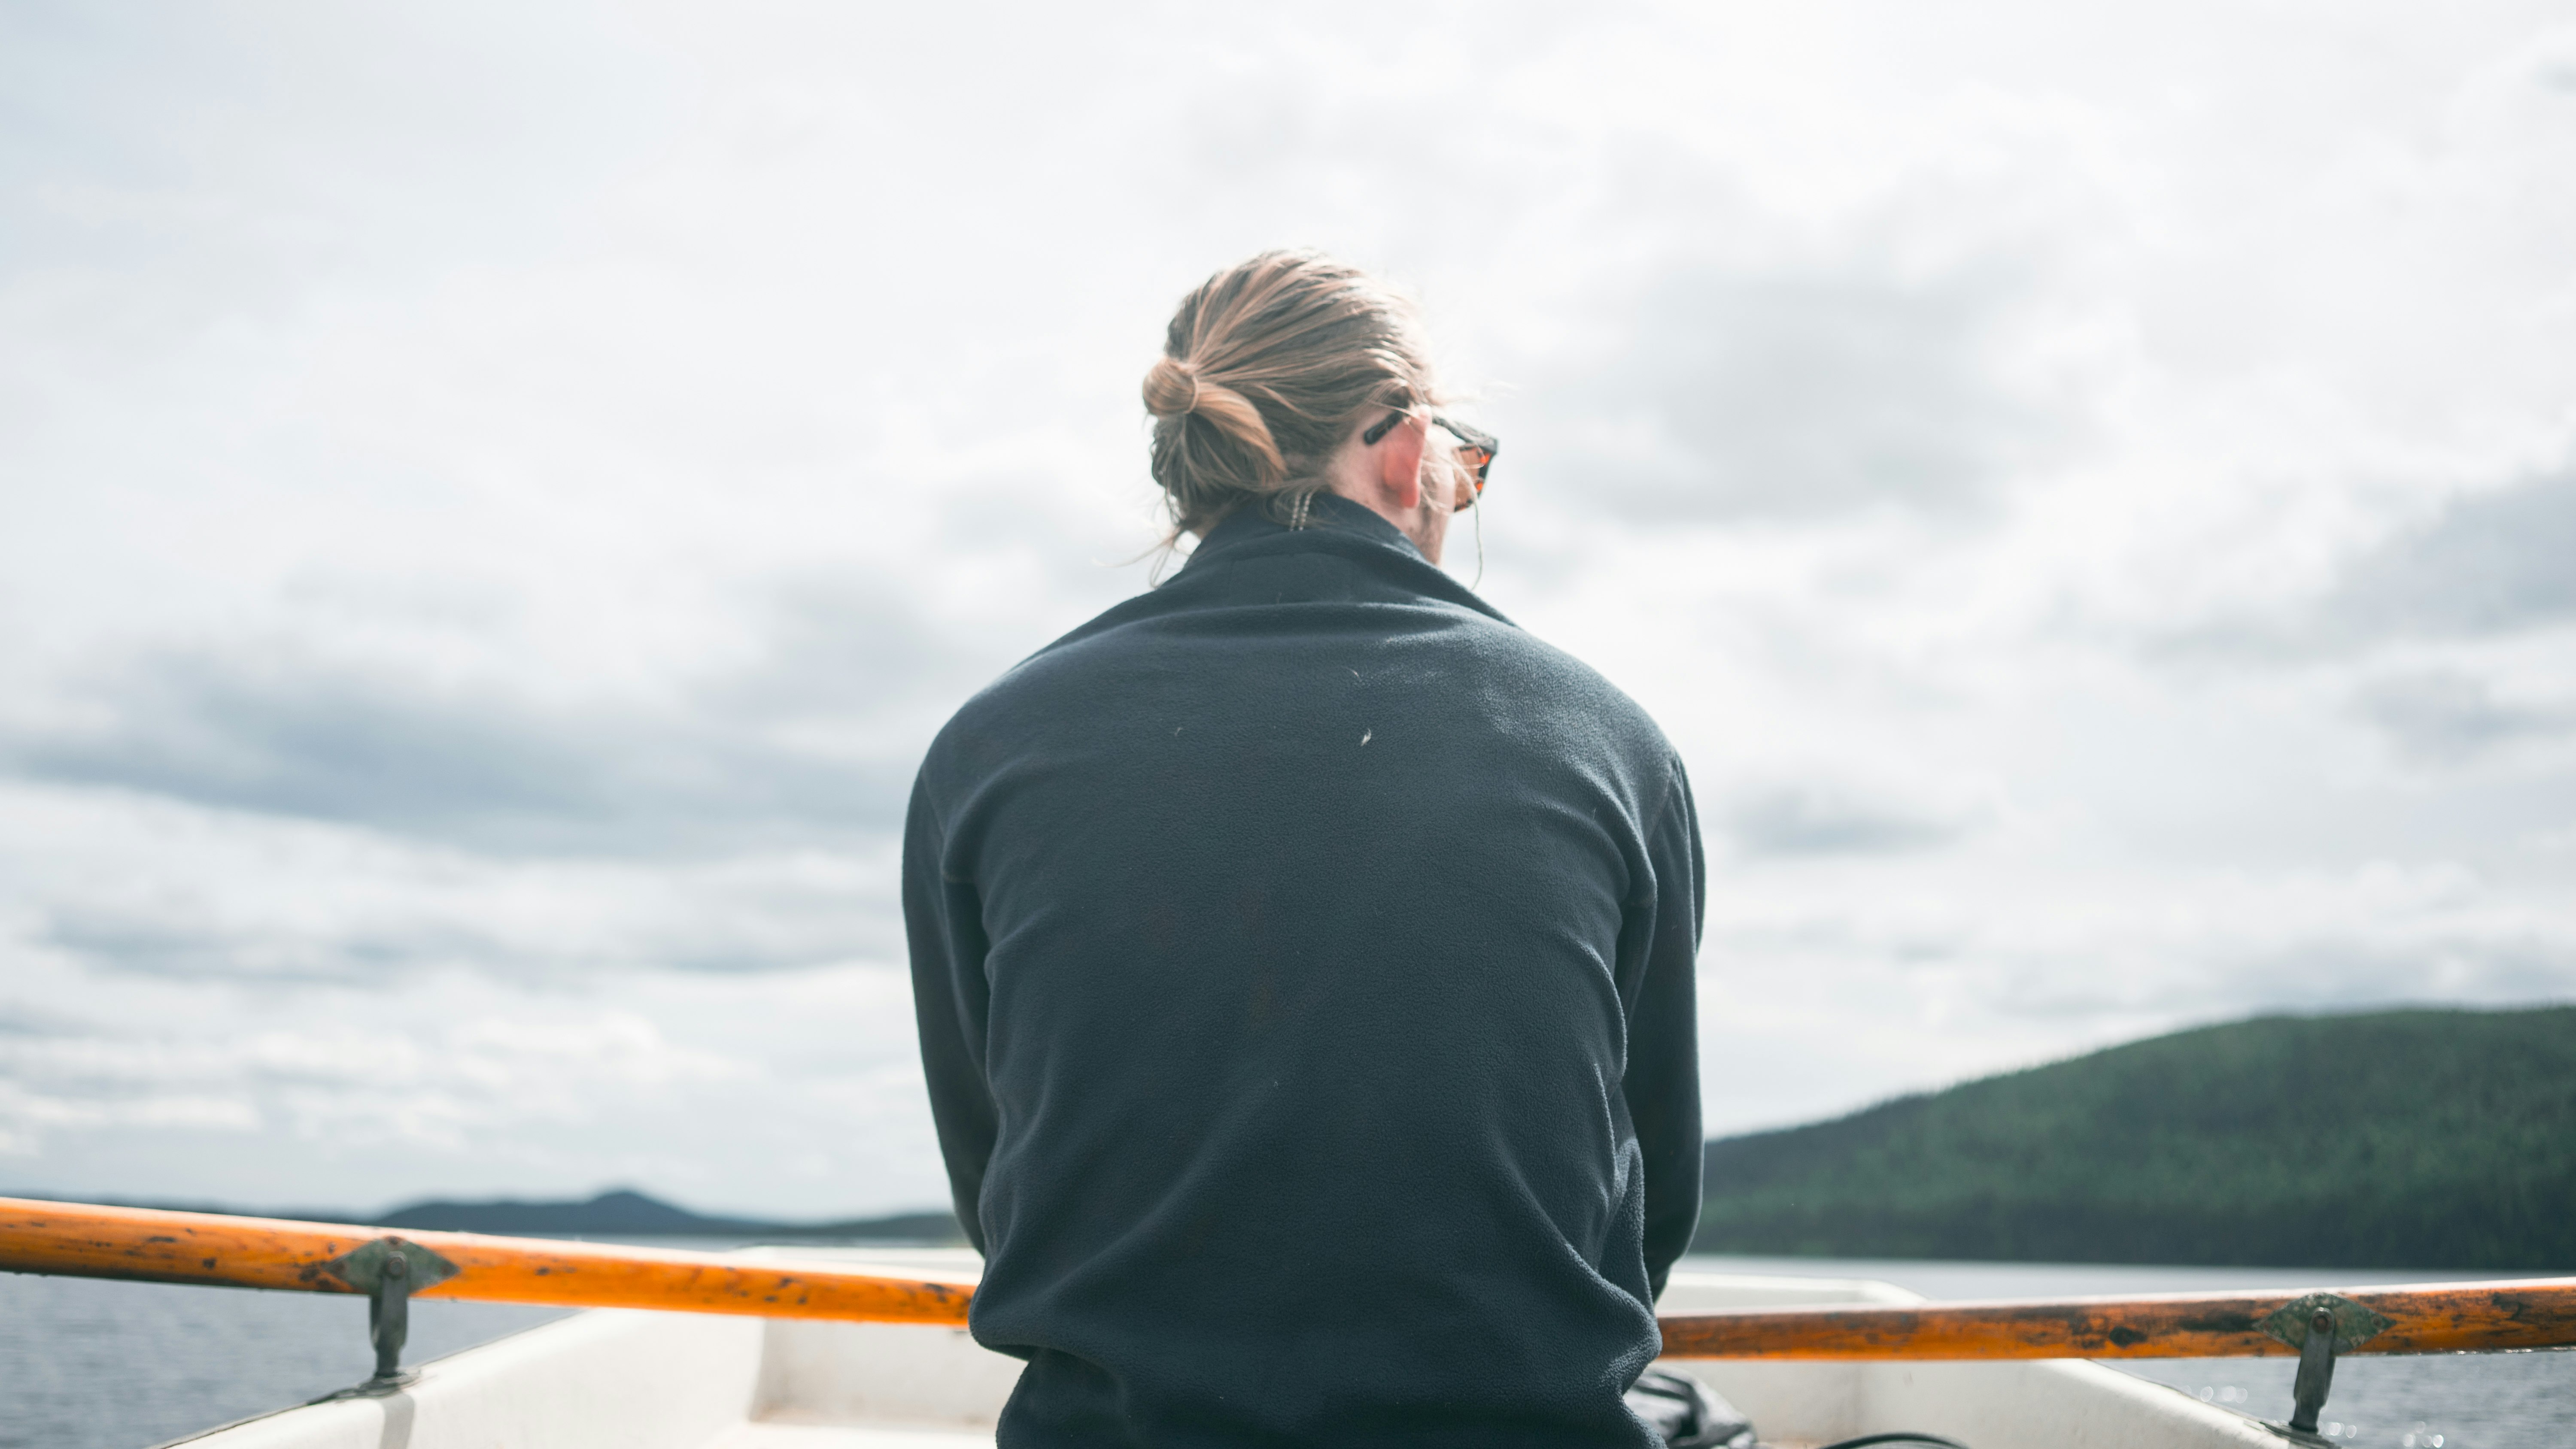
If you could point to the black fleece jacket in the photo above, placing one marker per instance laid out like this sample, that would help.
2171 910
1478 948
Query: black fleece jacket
1303 957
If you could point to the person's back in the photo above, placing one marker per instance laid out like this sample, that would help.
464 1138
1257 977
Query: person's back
1303 957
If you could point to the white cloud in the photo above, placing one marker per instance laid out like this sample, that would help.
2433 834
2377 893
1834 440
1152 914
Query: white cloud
137 886
794 1097
2444 716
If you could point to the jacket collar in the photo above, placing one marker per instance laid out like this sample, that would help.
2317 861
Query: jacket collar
1329 515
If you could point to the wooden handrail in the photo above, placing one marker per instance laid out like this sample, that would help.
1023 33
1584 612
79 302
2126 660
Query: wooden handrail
2435 1318
177 1247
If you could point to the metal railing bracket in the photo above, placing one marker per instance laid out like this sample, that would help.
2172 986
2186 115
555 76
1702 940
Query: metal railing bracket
2319 1326
389 1270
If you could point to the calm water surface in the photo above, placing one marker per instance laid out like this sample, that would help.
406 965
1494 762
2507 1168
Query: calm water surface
98 1365
87 1364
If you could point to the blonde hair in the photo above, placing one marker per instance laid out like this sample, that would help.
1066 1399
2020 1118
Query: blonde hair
1266 368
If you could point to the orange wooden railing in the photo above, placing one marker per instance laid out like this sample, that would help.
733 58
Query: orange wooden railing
2437 1318
176 1247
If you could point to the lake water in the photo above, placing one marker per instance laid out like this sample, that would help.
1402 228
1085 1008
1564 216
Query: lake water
99 1365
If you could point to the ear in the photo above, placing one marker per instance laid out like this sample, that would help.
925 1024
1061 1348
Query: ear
1399 464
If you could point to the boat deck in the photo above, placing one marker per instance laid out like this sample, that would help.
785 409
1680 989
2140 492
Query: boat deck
844 1436
620 1379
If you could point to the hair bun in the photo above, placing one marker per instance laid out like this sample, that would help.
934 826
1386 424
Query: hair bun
1171 388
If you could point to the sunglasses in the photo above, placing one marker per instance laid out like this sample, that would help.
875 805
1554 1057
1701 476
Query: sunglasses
1476 449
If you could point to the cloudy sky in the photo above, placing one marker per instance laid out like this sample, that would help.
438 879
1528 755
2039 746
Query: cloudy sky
495 498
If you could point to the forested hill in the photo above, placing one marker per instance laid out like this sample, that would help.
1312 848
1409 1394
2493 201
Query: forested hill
2401 1139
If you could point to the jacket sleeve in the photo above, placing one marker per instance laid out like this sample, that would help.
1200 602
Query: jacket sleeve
1662 1083
943 924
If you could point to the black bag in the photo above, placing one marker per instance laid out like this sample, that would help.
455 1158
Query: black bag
1687 1413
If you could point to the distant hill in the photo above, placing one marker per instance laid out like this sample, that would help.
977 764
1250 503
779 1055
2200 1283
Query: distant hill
2401 1139
625 1213
621 1213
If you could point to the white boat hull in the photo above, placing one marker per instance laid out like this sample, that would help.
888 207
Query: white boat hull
635 1380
